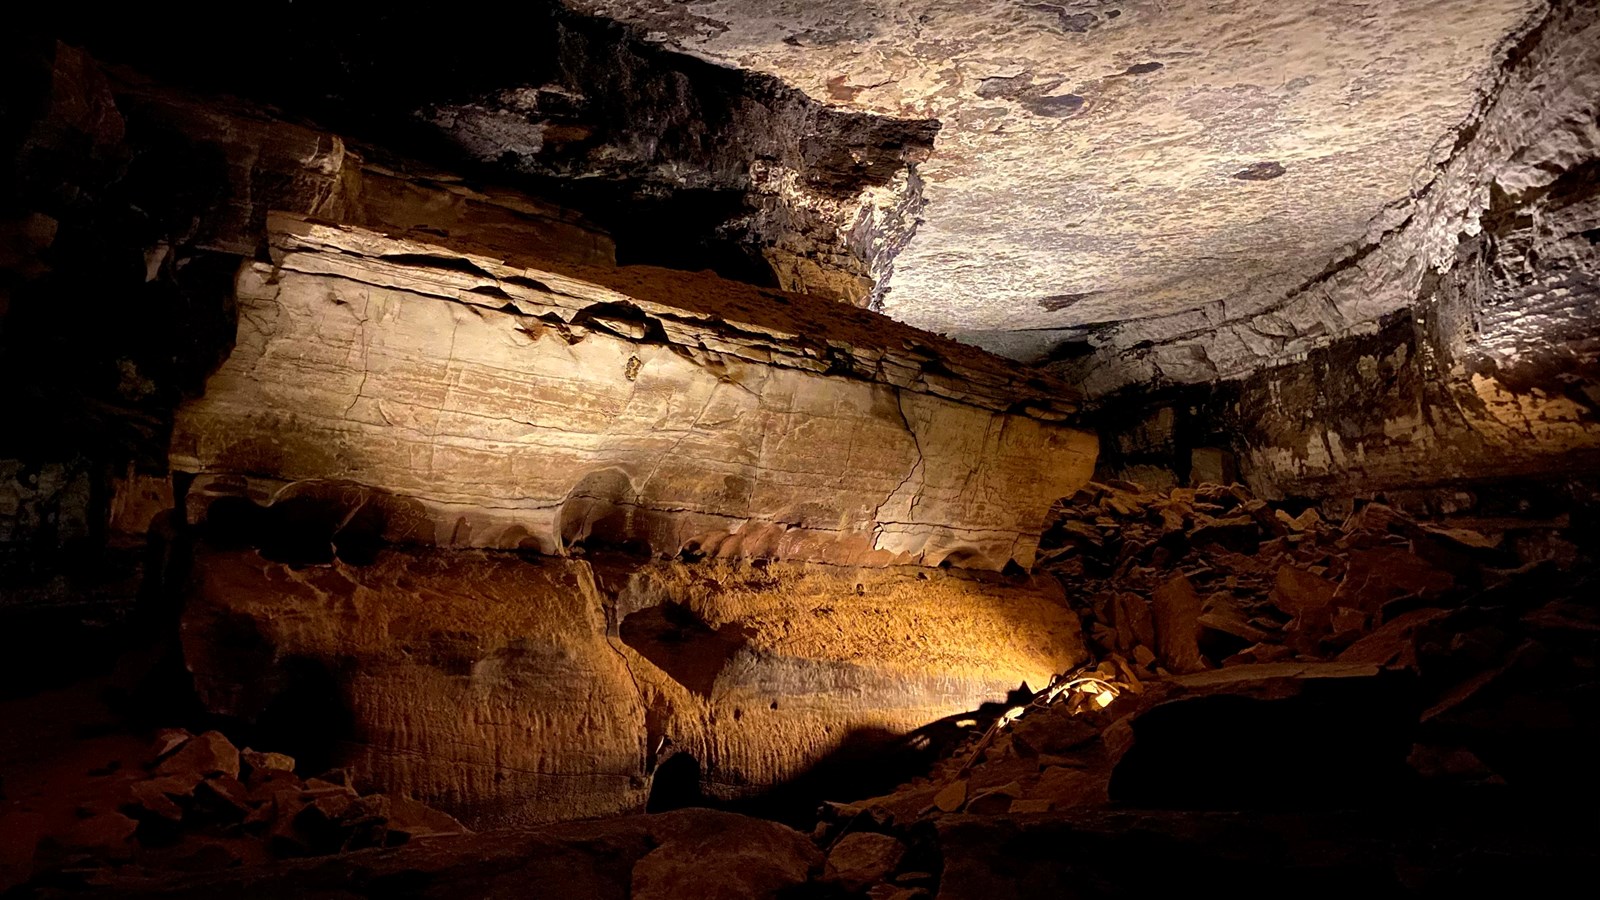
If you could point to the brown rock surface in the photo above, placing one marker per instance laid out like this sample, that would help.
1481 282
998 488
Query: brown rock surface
727 859
862 858
464 672
205 754
19 837
447 387
1177 614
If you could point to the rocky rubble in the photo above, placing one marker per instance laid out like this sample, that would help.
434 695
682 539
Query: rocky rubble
1197 578
693 853
1266 659
198 803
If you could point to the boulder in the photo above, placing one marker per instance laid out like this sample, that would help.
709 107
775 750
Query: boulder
951 797
1061 787
207 754
159 798
1177 615
1299 593
863 858
1378 575
408 821
257 765
106 835
222 799
727 860
995 800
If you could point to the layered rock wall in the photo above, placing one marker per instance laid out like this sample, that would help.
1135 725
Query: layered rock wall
338 402
512 690
1457 345
486 405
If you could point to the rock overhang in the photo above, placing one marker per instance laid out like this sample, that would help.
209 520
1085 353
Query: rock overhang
1109 161
1015 175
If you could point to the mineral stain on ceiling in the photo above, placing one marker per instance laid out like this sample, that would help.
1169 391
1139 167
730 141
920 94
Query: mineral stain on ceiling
1140 157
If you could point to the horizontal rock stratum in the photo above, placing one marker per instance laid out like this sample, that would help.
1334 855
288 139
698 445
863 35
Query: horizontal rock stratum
511 691
458 401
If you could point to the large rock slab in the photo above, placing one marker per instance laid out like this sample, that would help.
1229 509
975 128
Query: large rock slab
508 691
486 405
692 853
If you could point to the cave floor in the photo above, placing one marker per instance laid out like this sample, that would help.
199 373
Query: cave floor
71 755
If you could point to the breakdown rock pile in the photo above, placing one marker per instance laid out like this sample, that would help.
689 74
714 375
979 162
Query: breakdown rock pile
1210 576
201 804
1269 660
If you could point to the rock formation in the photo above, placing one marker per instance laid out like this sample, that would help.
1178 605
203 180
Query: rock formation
483 405
1453 347
491 418
512 691
1104 162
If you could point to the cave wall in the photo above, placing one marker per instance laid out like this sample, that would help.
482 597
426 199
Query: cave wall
513 690
126 209
685 163
1456 347
423 483
484 405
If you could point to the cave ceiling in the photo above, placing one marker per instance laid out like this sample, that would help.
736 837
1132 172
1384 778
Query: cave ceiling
1024 176
1110 160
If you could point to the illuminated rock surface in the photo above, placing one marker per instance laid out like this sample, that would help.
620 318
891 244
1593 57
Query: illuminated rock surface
1115 160
424 406
493 406
512 691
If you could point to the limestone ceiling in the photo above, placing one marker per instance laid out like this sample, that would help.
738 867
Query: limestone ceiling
1107 160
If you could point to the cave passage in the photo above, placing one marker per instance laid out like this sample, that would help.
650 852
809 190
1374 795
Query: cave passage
639 450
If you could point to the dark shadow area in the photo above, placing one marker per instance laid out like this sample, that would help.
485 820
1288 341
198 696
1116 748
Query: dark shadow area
868 762
306 716
675 784
682 645
601 512
312 523
1335 745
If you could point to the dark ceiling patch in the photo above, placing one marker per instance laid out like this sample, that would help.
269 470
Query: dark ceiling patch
1261 171
1060 106
1056 302
1144 68
1074 22
1004 87
839 90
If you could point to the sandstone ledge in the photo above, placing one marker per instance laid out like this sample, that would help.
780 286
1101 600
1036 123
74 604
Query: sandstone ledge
472 403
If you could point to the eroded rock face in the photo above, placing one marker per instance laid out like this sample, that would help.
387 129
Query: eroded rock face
485 405
1458 346
507 690
1112 160
687 163
1525 152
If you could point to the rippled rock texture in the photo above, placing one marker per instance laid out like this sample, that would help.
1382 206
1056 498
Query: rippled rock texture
485 405
509 690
